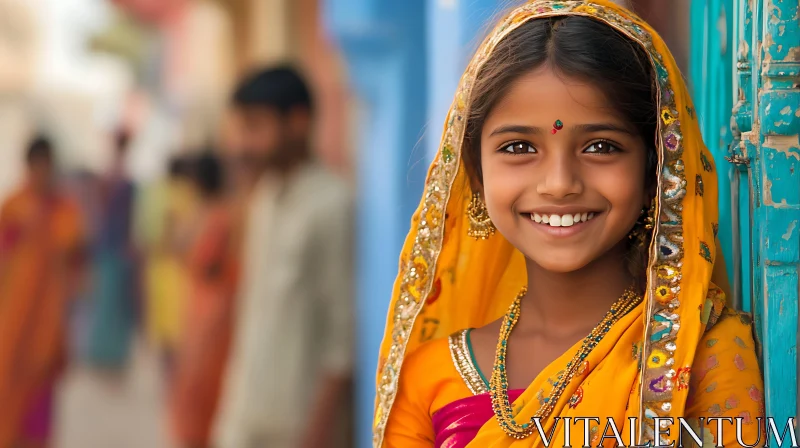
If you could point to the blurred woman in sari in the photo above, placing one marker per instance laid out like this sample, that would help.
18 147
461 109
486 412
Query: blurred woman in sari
114 264
203 350
165 215
571 187
41 252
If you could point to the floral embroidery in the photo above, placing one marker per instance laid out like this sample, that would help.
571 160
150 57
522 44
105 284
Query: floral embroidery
667 117
667 272
745 318
705 252
747 419
663 294
429 327
584 367
706 163
435 292
684 373
711 363
447 154
540 397
595 433
711 342
711 387
740 342
715 410
586 8
672 141
576 398
656 359
659 385
699 186
731 402
739 362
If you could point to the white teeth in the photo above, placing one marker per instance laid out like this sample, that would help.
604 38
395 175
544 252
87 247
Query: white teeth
562 220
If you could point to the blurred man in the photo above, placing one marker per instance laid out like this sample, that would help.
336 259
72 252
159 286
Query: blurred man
41 250
291 356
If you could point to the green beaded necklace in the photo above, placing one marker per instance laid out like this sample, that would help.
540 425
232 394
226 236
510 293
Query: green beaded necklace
498 385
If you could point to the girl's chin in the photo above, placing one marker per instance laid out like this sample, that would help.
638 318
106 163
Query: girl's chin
560 263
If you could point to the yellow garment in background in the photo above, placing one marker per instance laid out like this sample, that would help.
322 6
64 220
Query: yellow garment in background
165 212
448 281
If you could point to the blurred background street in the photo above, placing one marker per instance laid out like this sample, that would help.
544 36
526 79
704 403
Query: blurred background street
125 413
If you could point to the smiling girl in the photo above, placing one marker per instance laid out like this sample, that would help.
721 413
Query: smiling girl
560 263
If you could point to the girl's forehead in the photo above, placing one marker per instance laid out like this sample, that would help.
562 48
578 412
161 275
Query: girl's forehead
545 94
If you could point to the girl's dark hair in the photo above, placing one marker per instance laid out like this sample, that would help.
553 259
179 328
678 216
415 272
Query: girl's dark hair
581 48
577 47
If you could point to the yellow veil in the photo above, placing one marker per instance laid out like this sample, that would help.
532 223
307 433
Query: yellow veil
448 281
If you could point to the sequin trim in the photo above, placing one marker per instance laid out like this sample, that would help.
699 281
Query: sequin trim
666 248
462 360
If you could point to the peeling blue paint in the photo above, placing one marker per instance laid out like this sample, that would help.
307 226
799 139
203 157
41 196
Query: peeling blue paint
776 180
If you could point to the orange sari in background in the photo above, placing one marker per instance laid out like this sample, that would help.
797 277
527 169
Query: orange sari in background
40 240
203 351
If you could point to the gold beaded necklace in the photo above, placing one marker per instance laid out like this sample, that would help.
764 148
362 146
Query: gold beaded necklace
501 404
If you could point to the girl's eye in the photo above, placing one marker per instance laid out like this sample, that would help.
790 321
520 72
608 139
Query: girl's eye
518 148
601 147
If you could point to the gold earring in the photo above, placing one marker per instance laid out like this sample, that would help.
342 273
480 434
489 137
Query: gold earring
641 231
480 225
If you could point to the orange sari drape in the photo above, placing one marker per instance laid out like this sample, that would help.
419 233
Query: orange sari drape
39 240
203 351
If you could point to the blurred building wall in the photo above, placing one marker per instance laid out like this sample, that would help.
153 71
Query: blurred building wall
50 83
19 40
385 49
279 31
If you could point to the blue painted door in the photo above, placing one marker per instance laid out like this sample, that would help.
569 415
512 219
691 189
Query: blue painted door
752 47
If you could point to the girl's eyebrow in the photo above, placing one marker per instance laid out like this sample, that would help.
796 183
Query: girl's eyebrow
597 127
517 129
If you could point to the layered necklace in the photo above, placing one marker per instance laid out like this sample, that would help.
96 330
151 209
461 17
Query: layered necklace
498 385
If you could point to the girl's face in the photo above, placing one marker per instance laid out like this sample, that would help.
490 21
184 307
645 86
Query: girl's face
566 198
